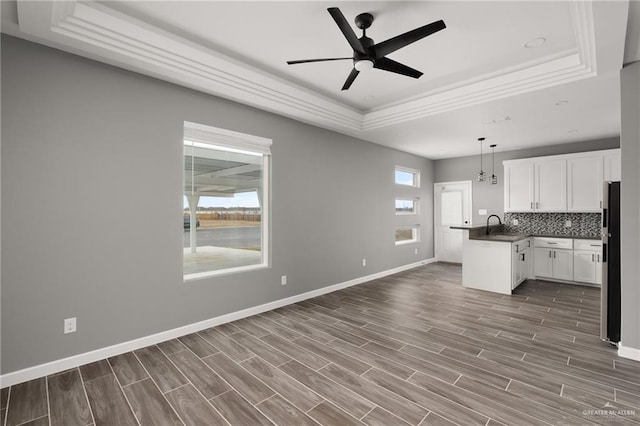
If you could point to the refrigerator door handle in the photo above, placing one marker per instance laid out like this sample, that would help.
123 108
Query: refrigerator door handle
604 253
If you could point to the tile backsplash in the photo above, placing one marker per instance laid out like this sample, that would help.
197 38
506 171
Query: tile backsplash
582 224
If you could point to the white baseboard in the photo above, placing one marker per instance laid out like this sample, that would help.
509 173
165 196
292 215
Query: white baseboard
52 367
630 353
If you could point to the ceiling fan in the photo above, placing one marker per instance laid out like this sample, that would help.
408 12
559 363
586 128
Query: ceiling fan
367 54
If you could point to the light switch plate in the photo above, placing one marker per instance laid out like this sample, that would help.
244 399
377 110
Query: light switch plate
482 212
514 222
567 224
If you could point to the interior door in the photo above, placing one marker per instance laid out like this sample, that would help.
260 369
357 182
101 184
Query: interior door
452 206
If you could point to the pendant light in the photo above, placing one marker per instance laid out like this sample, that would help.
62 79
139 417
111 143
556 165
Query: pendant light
482 176
494 178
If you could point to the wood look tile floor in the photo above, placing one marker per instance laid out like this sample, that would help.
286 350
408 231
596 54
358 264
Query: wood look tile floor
415 348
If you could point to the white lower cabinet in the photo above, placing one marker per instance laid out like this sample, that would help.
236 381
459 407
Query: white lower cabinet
587 261
496 266
520 262
553 258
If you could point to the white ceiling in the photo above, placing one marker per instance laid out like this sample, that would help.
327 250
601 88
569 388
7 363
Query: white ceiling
479 79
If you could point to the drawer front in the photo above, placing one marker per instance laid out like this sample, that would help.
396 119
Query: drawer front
594 245
521 245
558 243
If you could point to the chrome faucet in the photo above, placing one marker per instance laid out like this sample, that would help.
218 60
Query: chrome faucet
496 216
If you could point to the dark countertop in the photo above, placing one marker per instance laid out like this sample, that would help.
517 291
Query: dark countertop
575 237
468 227
513 237
477 232
506 237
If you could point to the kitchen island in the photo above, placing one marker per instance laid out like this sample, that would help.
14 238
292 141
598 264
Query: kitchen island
496 262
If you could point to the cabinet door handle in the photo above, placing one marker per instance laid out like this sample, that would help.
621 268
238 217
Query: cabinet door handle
554 254
593 257
600 204
549 253
598 257
532 205
537 205
522 257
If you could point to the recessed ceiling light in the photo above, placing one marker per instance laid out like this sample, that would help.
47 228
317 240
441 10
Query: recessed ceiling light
561 103
536 42
497 120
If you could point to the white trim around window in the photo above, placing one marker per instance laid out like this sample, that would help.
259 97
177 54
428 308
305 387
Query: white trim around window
407 234
406 176
407 206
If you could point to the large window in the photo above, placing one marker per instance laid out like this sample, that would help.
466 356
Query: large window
226 201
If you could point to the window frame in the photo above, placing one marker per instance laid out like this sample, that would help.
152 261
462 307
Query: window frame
223 139
415 234
416 206
414 172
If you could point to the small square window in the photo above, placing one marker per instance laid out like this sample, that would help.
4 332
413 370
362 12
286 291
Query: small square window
406 206
407 234
407 177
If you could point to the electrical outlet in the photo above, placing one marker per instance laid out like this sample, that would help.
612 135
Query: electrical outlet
567 224
283 280
482 212
416 251
514 222
364 262
70 325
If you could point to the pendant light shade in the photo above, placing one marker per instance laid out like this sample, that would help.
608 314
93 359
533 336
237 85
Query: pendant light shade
482 176
494 178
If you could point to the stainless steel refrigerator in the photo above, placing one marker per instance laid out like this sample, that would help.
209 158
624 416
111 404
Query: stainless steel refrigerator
610 292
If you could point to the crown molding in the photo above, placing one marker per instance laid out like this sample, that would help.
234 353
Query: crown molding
101 33
94 30
554 70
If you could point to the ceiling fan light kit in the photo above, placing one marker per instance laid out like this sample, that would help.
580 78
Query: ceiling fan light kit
367 54
363 65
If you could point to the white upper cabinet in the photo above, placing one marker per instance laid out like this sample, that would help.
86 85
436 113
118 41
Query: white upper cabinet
518 187
585 183
559 183
550 185
535 186
612 166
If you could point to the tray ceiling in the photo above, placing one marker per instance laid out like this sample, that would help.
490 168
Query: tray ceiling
479 78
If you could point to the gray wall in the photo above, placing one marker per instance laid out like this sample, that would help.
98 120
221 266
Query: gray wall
630 205
89 150
491 197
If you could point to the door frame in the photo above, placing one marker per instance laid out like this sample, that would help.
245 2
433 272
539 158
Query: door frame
436 209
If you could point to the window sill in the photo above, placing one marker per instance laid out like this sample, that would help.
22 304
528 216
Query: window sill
211 274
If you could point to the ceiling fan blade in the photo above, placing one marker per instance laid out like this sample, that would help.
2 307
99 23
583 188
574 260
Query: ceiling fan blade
346 29
304 61
396 67
352 76
385 47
